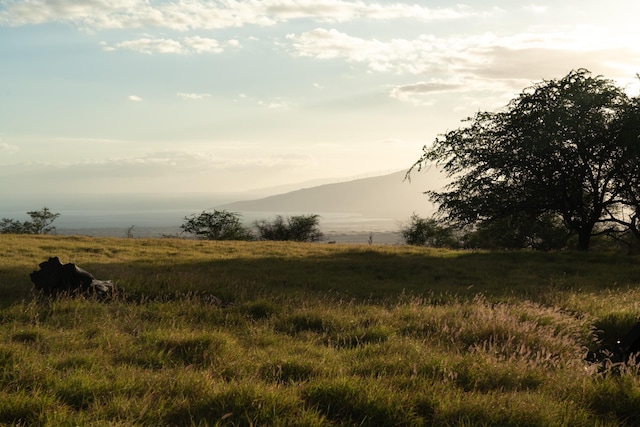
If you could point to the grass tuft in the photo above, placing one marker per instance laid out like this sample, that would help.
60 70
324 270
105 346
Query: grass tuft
286 372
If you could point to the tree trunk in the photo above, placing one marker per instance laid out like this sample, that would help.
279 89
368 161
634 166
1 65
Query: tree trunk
584 239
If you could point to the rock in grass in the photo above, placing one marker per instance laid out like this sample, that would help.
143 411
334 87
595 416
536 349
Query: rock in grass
55 278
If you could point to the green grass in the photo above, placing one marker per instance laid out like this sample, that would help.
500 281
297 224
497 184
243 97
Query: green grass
259 333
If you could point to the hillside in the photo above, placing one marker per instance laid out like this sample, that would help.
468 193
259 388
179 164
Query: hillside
388 196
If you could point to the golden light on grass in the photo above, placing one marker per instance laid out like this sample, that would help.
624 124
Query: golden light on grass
237 333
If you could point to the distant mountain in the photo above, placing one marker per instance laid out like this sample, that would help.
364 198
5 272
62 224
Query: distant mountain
387 196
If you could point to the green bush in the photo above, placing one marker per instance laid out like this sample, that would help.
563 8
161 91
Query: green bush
428 232
297 228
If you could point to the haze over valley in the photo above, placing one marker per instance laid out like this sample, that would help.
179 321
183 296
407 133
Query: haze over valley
351 208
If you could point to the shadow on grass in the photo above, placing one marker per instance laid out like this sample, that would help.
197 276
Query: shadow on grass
359 274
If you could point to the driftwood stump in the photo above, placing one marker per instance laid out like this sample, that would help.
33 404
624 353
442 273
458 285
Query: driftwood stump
55 278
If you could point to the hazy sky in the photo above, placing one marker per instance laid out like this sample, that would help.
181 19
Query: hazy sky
196 95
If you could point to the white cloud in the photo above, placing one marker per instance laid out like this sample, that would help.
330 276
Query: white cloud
423 54
199 44
134 98
193 96
276 104
148 46
183 15
486 62
535 8
184 46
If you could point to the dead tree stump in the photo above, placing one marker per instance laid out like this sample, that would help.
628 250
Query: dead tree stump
55 278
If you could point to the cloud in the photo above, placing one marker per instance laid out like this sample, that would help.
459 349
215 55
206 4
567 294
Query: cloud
8 148
276 104
176 171
192 96
485 62
198 44
535 8
184 15
134 98
83 139
148 46
421 55
338 10
420 93
427 87
184 46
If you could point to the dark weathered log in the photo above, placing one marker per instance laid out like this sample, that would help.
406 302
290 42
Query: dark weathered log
55 278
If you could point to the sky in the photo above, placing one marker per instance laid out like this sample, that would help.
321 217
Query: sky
153 96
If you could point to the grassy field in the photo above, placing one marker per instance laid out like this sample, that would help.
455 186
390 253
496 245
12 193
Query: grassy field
262 333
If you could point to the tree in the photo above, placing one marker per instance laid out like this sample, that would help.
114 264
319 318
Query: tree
216 225
545 233
298 228
628 132
428 232
11 226
40 223
558 149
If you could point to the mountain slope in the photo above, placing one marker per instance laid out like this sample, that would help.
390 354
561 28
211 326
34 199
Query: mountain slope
382 196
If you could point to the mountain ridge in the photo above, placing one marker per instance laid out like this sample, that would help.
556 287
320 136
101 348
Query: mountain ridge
380 196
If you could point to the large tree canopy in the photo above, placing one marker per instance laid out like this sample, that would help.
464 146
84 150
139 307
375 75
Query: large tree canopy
566 147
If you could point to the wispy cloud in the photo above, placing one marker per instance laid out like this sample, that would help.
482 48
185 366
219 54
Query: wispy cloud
7 148
183 15
134 98
192 96
535 8
276 104
88 139
170 170
184 46
423 54
420 93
